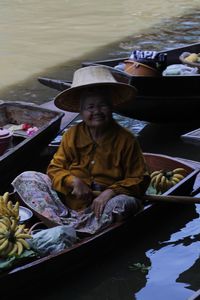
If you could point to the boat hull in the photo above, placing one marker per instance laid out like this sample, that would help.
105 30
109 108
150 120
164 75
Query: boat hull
24 149
160 99
65 262
162 109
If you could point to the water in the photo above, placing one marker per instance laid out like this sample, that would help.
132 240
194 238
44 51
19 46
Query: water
36 35
52 38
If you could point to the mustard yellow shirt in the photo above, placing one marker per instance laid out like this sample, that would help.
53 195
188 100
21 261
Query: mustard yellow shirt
116 162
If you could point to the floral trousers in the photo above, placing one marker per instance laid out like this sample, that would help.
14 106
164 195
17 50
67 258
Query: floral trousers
35 190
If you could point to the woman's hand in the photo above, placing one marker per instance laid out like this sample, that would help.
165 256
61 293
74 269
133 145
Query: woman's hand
100 201
81 190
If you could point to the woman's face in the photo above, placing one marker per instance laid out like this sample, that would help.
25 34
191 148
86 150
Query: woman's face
96 112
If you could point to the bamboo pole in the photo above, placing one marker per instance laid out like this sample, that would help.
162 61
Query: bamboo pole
171 199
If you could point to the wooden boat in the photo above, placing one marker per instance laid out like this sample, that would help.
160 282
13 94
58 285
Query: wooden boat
160 99
35 271
192 137
24 147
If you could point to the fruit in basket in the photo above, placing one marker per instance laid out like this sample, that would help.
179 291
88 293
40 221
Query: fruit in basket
162 180
12 237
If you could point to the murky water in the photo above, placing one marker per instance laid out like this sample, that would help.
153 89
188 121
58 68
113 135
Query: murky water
52 38
36 35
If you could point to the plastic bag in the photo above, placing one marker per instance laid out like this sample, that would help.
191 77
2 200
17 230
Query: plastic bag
53 240
179 69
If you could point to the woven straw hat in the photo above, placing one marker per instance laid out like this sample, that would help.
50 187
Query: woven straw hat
69 100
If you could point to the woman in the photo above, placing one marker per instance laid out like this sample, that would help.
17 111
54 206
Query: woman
99 170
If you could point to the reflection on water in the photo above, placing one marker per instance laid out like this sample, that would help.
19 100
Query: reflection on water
133 125
170 259
36 35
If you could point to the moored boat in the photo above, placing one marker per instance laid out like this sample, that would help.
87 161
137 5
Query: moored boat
31 128
160 99
23 274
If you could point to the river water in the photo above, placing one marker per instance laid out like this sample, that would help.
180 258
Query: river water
51 39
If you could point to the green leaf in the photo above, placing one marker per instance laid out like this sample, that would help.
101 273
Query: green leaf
141 267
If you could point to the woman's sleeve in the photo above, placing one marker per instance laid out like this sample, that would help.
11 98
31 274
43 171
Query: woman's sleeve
58 169
136 177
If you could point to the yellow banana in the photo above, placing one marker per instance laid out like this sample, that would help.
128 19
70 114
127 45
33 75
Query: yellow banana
4 245
2 240
23 236
13 224
19 229
175 179
10 205
154 173
5 252
178 176
3 231
181 171
162 184
157 180
3 209
169 184
173 182
153 181
20 247
6 221
13 251
5 197
24 243
16 209
3 226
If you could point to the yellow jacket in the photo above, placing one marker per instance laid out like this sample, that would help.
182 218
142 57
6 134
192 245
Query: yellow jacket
115 162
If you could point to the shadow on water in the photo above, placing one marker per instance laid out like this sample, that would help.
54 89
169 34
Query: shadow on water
190 276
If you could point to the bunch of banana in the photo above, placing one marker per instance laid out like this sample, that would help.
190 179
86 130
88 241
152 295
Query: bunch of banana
7 208
193 57
12 237
163 180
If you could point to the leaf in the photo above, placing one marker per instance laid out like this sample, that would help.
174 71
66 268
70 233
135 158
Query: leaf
141 267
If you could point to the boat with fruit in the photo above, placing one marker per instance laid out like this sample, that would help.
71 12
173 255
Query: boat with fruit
160 99
25 269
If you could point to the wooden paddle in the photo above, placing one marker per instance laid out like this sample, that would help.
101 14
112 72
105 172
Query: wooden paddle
163 198
171 199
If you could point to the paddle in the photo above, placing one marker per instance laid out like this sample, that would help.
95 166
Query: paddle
171 199
163 198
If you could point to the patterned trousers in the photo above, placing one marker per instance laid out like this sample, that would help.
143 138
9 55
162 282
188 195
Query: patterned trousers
35 190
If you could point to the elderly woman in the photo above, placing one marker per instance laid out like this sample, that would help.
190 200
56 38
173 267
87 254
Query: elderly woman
98 171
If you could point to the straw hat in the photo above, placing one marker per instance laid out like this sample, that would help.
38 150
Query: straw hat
99 76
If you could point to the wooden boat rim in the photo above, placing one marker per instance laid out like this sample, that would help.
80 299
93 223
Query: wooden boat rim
88 240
